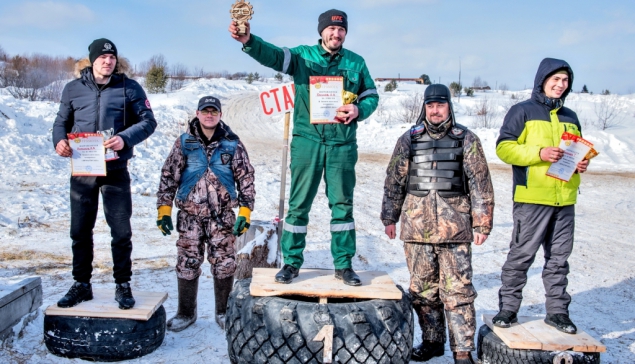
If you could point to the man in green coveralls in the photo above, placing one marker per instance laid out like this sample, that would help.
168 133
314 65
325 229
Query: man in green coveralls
324 149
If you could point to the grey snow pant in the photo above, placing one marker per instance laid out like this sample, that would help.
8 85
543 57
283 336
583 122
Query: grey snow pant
536 225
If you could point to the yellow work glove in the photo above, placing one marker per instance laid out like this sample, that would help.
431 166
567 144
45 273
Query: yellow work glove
242 222
164 221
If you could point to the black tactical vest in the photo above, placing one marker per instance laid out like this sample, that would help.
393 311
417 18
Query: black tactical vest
437 165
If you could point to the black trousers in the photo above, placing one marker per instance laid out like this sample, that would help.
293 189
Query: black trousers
117 200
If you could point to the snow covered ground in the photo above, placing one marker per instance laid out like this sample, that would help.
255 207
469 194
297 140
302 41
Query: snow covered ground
34 215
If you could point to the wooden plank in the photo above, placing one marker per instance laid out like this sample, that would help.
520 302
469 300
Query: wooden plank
515 337
11 313
326 335
534 333
104 305
322 283
12 289
555 340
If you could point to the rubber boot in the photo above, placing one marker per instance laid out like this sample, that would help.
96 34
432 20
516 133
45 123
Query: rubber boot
222 288
186 314
432 322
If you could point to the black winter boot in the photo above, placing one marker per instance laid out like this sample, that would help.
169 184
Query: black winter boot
504 319
463 357
222 288
427 350
123 295
349 276
79 292
562 322
186 314
287 273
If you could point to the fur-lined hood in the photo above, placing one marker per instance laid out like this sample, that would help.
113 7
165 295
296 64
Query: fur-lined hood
122 67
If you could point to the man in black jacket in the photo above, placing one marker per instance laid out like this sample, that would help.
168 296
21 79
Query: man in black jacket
102 98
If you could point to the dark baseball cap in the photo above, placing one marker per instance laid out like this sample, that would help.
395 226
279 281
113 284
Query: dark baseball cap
437 93
209 101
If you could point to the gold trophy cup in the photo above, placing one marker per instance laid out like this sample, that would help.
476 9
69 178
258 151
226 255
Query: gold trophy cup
347 98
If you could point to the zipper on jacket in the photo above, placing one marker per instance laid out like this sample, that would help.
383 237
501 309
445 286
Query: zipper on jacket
98 121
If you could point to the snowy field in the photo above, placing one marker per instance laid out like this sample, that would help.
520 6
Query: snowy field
34 214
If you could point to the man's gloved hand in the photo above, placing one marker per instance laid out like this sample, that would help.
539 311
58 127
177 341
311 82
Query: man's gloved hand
164 221
242 222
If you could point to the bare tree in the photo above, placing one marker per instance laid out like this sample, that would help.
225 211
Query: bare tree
158 61
36 77
178 73
608 111
485 112
201 73
514 98
410 108
478 83
381 113
503 87
3 54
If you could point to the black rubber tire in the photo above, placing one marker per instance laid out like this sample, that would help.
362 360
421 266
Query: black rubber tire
492 350
280 330
103 339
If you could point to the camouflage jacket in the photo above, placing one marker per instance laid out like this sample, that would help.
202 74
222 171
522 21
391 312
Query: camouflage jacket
435 219
208 197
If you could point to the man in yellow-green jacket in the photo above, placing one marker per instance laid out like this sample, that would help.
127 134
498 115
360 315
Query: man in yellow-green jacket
543 211
328 150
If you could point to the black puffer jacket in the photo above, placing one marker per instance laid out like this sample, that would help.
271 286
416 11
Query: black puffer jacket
87 108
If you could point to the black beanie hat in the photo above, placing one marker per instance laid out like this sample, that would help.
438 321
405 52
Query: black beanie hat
100 46
332 17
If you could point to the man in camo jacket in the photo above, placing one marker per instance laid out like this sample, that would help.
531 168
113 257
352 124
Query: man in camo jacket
439 184
207 174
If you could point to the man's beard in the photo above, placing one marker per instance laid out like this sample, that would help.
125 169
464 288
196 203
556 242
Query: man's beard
327 46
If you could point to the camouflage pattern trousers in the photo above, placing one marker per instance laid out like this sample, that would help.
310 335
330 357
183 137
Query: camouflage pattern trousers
441 280
196 233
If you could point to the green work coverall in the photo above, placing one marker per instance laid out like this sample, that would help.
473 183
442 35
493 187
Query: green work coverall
317 150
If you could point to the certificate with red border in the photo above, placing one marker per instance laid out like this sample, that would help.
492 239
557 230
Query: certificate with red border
575 149
88 157
325 96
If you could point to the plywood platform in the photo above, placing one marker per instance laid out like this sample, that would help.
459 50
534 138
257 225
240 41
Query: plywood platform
534 333
322 283
104 305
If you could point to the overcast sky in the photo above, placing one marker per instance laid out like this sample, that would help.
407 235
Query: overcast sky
500 41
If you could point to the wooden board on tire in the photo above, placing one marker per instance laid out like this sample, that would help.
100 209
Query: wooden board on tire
322 283
104 305
492 350
534 333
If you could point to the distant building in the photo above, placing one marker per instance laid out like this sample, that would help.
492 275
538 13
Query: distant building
417 80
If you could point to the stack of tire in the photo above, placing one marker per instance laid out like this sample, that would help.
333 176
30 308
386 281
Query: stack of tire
278 330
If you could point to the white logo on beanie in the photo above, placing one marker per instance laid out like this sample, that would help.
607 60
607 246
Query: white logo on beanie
107 47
